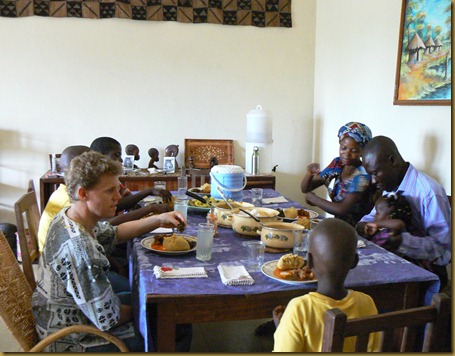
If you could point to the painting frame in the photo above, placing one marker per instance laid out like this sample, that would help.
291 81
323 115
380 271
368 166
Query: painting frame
128 163
169 164
408 89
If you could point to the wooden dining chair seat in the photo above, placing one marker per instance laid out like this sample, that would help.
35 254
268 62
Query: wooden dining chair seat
27 221
16 307
434 318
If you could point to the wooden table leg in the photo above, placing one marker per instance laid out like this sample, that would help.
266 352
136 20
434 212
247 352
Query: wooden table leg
166 324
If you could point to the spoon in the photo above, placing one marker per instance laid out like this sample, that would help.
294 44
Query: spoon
251 215
224 197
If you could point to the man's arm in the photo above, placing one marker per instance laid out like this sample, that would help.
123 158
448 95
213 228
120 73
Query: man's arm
139 213
127 202
436 244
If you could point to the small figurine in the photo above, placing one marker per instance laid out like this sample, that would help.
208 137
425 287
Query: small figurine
133 150
191 162
213 161
154 157
172 151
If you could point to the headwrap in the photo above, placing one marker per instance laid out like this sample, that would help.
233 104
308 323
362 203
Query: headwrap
356 130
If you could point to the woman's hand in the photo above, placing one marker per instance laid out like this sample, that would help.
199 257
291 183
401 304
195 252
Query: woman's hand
314 168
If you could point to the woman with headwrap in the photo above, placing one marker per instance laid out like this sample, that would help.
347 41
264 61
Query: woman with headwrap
347 181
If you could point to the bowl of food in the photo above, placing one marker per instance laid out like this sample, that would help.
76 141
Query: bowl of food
245 225
223 212
279 234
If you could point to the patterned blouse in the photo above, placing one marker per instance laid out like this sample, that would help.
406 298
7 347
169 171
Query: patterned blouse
72 286
359 182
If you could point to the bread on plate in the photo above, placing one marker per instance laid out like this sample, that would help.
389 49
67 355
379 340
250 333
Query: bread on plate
175 243
290 261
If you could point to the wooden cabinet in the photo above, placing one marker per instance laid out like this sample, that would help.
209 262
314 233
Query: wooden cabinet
49 183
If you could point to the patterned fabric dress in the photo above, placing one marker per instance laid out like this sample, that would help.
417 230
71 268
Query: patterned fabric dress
359 182
72 287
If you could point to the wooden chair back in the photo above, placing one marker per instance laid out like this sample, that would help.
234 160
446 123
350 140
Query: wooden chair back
434 318
27 221
16 307
31 186
15 298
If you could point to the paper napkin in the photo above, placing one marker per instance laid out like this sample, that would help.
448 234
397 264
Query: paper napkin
361 244
185 272
279 199
162 230
235 275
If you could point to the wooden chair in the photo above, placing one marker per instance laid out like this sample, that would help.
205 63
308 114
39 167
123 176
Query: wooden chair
27 221
16 307
434 318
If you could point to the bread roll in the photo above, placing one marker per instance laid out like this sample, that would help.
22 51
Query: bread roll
175 243
290 261
290 213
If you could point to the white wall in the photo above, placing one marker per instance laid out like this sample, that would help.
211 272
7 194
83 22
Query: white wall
356 53
67 81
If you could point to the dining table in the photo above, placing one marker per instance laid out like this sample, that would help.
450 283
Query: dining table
161 304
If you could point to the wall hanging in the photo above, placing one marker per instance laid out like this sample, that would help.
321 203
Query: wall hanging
260 13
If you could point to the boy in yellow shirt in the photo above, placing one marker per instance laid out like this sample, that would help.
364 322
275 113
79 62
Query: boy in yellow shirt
332 253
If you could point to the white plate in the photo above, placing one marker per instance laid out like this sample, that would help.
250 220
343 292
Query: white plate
198 208
198 192
148 241
268 268
312 213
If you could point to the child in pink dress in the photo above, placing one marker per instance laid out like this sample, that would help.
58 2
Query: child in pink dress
393 216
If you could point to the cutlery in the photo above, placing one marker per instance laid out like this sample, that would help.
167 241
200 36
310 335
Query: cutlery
224 197
251 215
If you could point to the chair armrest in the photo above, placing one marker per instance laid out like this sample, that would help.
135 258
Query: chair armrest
79 329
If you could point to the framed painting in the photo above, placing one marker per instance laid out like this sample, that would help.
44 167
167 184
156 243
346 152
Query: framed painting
424 61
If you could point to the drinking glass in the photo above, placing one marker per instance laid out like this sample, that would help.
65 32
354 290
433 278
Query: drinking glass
204 242
159 184
182 206
256 196
256 251
300 242
182 184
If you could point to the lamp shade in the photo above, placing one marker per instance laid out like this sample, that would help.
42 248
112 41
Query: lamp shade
259 126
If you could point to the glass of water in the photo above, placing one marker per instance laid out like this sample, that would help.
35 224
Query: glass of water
182 184
256 196
182 206
255 251
300 242
204 243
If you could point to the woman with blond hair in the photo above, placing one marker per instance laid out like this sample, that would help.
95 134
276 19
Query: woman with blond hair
72 286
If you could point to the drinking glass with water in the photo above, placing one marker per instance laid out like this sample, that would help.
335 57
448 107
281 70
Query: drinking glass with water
204 242
300 242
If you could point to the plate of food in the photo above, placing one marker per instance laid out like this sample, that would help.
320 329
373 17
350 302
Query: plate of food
165 244
204 190
289 269
196 205
293 214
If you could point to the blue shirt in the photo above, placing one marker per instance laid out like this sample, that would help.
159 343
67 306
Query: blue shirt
431 226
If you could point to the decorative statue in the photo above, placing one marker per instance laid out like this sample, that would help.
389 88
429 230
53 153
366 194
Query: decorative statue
213 161
154 157
172 151
133 150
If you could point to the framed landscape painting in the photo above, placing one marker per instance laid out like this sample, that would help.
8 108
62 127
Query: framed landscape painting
424 61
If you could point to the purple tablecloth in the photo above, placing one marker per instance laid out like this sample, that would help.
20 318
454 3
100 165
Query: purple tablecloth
376 266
